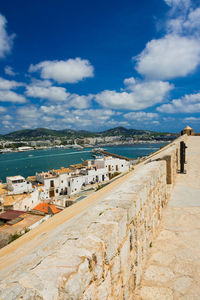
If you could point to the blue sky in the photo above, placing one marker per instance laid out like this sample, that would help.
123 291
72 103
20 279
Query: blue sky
95 65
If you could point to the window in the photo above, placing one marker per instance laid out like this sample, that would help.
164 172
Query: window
57 191
51 183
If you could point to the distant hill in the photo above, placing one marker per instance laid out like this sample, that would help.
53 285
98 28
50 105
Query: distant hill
45 133
123 131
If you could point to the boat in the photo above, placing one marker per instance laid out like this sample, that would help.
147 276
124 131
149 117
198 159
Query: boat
97 149
97 156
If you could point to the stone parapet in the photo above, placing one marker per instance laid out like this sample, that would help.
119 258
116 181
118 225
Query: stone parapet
100 252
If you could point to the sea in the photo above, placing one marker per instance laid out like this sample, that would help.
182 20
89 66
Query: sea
29 162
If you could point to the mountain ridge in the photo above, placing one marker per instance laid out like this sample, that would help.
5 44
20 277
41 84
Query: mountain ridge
70 133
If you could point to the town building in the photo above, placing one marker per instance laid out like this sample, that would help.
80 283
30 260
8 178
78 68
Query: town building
24 202
113 165
18 185
54 183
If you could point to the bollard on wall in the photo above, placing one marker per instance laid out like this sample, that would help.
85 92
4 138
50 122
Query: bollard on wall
182 157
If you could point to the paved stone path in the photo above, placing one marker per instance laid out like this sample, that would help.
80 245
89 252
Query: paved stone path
172 271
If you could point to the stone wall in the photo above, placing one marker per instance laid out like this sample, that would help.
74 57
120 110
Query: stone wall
99 253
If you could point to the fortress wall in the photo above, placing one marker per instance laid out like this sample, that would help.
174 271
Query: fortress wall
100 253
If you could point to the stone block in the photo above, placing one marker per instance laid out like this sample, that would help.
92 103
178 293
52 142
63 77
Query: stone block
75 285
89 294
125 260
108 233
115 269
104 289
117 216
155 293
125 201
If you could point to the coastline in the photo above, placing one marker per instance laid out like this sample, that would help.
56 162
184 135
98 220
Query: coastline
81 147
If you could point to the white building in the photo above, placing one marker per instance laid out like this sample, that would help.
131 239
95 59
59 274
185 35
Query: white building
112 164
24 202
18 185
65 182
55 183
25 148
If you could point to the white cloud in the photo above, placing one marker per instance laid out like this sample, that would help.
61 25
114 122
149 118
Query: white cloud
176 54
95 114
7 117
10 96
44 90
88 118
9 84
42 83
191 119
30 116
6 123
178 3
141 116
6 41
169 57
80 102
53 109
129 81
185 23
9 71
141 95
193 20
51 93
68 71
2 109
59 116
186 104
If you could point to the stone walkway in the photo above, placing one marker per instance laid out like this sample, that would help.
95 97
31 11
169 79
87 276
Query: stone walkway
172 271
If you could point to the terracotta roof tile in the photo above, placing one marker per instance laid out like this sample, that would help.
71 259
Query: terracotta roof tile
44 207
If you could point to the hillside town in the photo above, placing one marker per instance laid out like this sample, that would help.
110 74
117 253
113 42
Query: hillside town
40 139
25 203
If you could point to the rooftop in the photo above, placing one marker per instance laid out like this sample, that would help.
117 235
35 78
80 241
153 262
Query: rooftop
77 166
28 219
187 128
17 177
63 170
47 208
49 174
3 189
11 214
11 199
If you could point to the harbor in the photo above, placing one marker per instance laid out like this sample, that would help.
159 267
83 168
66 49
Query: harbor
29 162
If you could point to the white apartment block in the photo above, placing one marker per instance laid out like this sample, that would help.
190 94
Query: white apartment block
18 185
54 183
112 164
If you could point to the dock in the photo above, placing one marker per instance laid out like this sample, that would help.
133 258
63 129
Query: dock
106 153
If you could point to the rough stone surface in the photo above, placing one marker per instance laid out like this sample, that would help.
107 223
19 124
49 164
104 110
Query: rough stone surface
155 293
98 249
173 267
